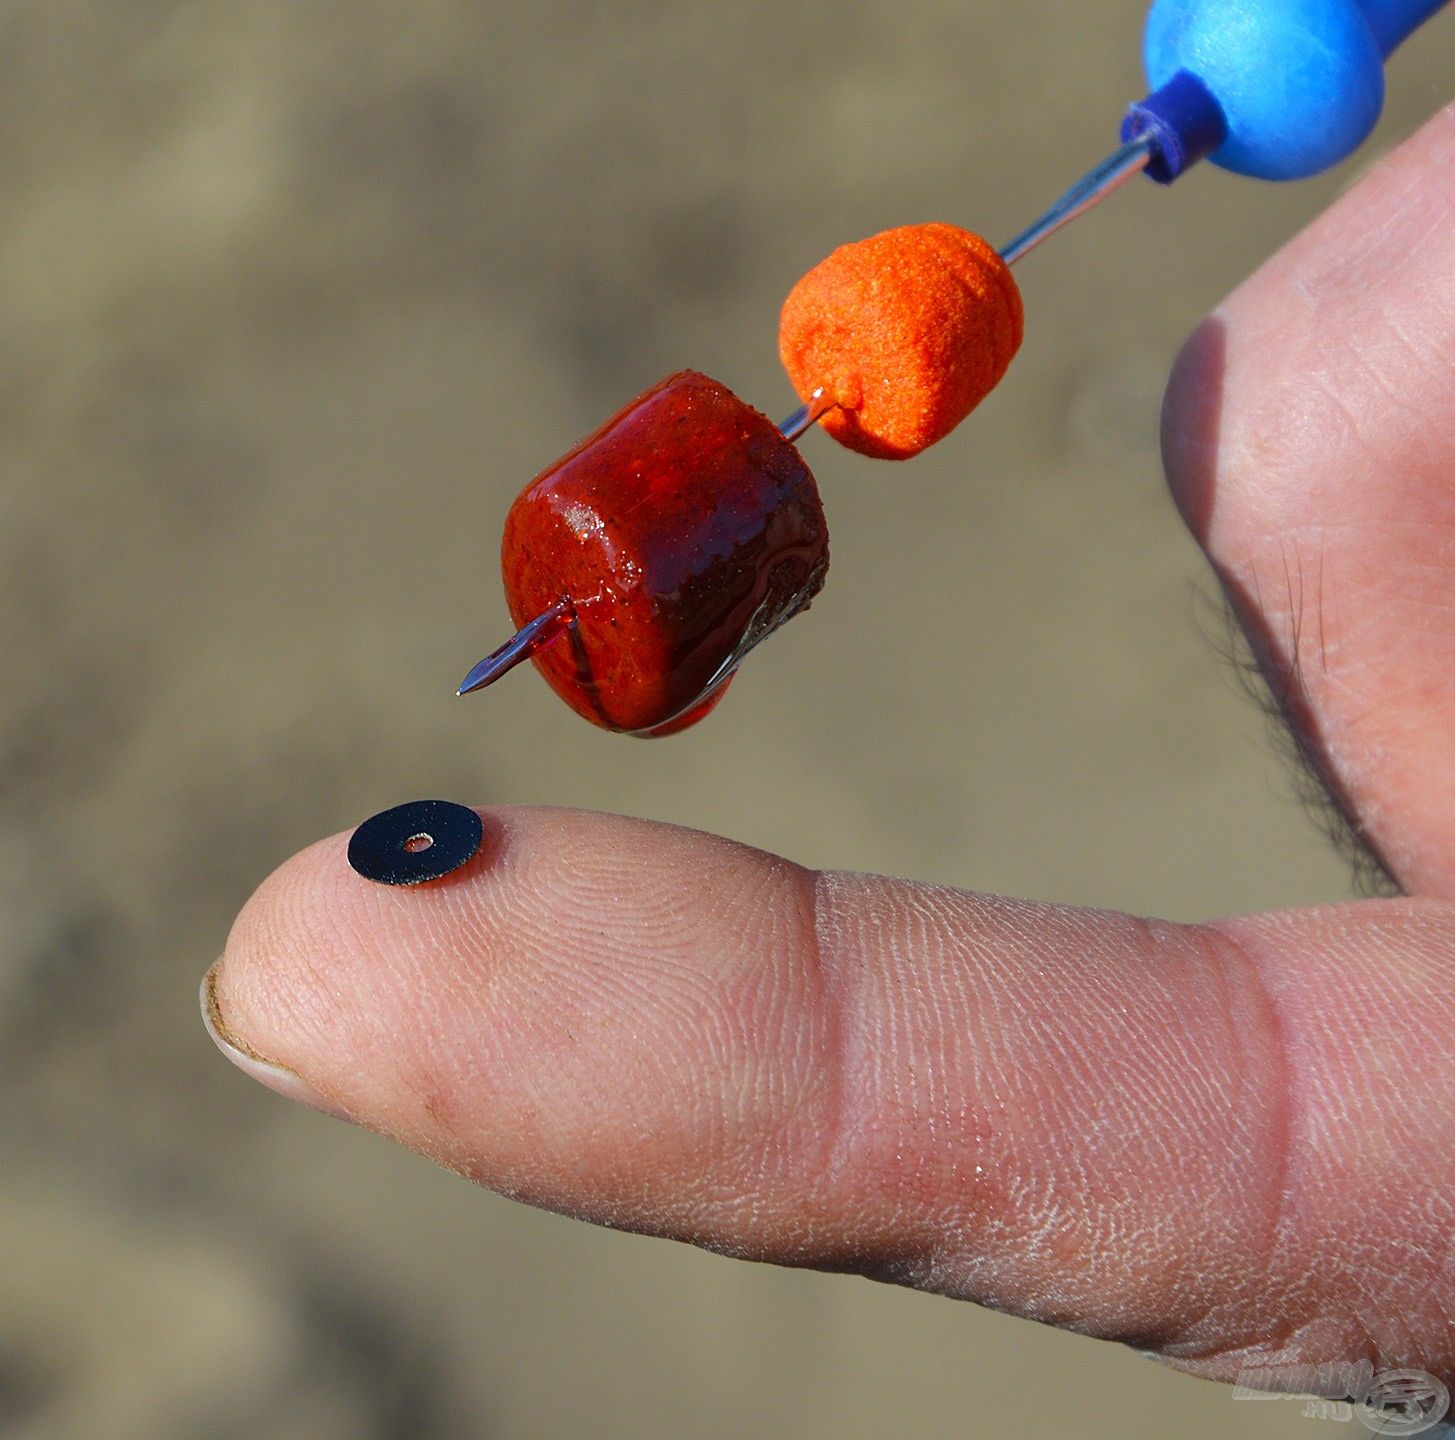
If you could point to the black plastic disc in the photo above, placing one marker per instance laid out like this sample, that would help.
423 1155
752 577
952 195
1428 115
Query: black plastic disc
412 843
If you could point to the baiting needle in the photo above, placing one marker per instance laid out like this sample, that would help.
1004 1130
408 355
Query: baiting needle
1297 88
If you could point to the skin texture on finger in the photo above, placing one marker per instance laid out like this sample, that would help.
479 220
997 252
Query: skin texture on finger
1309 438
1219 1141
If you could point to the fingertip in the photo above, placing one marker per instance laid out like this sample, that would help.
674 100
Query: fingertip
259 997
322 967
269 1073
585 998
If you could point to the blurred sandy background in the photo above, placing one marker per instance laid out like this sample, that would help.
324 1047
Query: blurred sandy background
292 301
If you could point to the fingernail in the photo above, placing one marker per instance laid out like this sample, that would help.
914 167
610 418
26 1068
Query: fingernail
279 1078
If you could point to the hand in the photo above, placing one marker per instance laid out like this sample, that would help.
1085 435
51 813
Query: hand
1218 1142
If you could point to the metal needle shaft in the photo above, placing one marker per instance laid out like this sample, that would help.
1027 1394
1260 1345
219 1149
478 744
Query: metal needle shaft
807 415
546 628
1093 187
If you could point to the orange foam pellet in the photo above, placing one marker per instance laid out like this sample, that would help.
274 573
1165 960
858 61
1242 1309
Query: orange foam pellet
907 331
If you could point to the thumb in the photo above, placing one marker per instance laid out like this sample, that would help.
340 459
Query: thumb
1190 1138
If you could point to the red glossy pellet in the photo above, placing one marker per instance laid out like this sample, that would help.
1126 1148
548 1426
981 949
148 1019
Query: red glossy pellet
681 532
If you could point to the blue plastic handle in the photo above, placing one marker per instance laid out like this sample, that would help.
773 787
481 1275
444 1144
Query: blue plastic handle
1299 83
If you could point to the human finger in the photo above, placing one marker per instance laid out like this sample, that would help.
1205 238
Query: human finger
1309 439
1202 1139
